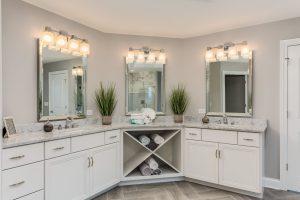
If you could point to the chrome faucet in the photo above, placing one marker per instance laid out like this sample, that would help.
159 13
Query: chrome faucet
225 119
69 121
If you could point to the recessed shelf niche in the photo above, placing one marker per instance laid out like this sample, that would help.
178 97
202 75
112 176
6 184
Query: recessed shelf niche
166 154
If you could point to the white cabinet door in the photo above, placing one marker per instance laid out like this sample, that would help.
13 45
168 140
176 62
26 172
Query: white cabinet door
67 177
201 161
239 167
105 167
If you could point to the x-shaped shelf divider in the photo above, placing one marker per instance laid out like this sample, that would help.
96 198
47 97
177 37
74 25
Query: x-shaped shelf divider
138 160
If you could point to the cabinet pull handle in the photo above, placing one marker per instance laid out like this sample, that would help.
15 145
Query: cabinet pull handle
219 154
216 153
112 137
89 162
58 148
193 134
17 157
248 139
92 161
16 184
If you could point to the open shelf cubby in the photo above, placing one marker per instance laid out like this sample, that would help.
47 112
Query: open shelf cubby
167 154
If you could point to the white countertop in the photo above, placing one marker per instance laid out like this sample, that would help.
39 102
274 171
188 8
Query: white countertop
257 126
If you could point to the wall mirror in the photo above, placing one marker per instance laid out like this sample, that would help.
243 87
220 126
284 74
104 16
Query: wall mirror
145 87
61 84
229 80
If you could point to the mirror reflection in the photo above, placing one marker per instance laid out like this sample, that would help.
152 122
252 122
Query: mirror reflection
229 87
61 85
145 87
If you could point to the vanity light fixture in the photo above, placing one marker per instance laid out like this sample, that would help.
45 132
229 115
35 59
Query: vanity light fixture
232 51
146 55
77 71
65 43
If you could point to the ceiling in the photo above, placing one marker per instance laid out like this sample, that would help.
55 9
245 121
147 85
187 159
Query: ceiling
171 18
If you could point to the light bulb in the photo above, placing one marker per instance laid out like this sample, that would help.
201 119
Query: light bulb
47 36
221 55
162 58
85 48
209 55
151 58
61 41
73 43
130 57
140 57
233 53
245 52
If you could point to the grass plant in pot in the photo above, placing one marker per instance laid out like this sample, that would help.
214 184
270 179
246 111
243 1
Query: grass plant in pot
105 98
178 103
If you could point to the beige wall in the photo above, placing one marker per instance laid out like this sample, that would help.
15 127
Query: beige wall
22 23
264 40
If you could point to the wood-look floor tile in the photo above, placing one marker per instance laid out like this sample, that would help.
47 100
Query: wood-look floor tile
186 191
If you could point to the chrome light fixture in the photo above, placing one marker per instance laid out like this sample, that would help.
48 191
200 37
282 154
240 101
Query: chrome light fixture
227 51
146 55
65 43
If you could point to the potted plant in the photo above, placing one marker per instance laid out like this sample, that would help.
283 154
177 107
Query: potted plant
178 102
105 98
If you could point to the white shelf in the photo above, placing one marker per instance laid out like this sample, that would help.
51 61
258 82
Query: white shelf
168 154
166 173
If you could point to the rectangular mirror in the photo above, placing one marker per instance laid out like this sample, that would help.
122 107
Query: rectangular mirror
145 87
61 85
229 87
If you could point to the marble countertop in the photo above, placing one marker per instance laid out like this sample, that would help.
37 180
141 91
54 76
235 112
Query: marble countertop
257 126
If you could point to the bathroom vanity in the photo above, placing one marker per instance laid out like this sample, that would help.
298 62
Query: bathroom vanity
83 162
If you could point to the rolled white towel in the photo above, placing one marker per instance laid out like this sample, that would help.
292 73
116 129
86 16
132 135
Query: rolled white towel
152 163
144 139
157 138
145 169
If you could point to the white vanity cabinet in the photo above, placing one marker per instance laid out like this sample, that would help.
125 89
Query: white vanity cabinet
105 165
239 167
67 177
82 174
227 158
201 161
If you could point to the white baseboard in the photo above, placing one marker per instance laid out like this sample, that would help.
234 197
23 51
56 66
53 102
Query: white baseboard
272 183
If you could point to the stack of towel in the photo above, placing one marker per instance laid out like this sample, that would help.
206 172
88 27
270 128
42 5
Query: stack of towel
151 142
150 167
144 140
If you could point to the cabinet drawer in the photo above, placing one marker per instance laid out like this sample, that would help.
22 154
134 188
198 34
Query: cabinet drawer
248 139
112 136
57 148
228 137
17 156
87 141
20 181
193 133
35 196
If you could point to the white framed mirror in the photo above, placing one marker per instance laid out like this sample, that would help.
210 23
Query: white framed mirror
145 87
229 85
61 84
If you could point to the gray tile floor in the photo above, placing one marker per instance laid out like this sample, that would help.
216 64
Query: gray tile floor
185 191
